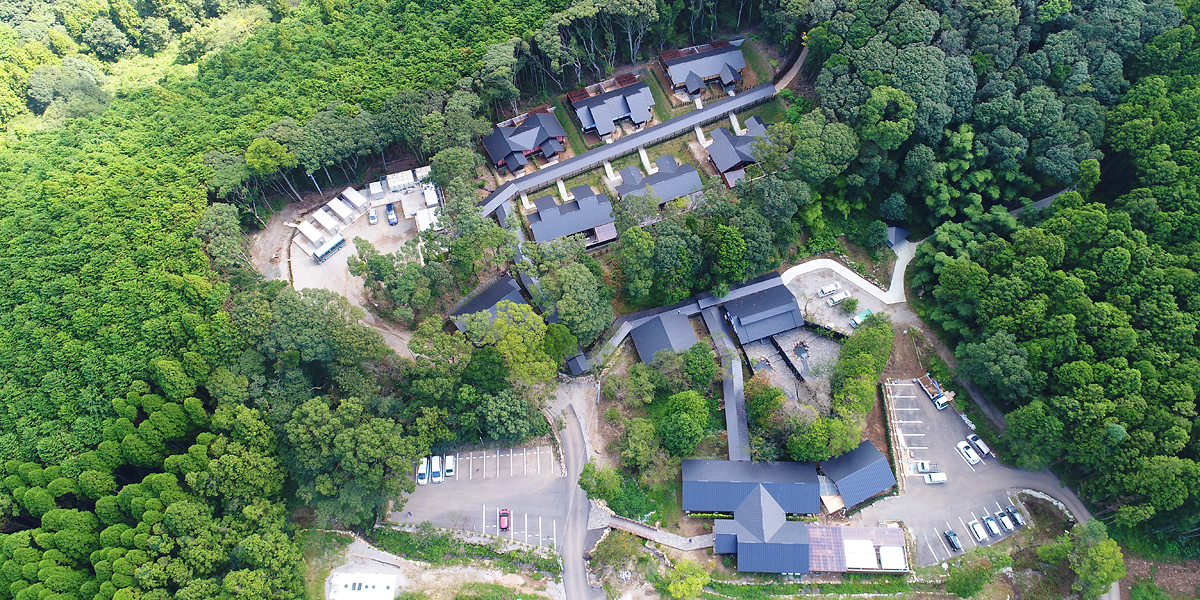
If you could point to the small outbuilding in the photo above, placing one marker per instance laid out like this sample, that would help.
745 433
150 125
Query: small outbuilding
668 331
860 474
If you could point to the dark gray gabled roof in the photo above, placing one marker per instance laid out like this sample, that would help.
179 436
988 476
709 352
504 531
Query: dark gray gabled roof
587 211
670 182
505 288
728 75
668 331
721 485
895 235
765 313
630 176
526 137
728 150
705 65
578 364
693 82
762 537
860 473
603 110
759 514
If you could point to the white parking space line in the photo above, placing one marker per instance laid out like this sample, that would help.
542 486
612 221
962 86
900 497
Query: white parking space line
904 408
935 557
896 421
917 447
942 538
904 397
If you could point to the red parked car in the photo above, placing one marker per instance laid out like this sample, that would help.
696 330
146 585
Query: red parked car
504 519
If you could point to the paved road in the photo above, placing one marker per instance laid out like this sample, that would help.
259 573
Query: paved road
574 571
895 293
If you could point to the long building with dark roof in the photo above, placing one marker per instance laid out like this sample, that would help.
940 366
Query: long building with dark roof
670 182
692 68
588 213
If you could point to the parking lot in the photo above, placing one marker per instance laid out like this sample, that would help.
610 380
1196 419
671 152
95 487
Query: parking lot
527 481
816 308
334 273
970 491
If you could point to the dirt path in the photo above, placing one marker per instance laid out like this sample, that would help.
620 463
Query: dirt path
436 582
269 247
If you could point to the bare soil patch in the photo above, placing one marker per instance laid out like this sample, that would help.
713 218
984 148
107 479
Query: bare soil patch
1180 580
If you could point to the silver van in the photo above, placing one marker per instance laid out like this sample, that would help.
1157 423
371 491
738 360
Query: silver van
829 289
977 531
991 525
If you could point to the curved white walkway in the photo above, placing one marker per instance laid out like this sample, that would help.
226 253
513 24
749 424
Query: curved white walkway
895 293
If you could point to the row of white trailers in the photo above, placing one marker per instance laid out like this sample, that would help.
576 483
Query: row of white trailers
331 219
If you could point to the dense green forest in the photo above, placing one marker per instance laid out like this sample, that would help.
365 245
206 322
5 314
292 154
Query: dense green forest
1083 323
168 419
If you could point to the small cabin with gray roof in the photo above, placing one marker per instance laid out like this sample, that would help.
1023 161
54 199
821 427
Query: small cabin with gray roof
670 182
692 68
731 153
668 331
600 113
505 288
860 474
539 133
588 213
764 313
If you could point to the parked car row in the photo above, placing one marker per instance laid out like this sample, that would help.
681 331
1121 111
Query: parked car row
969 453
993 525
435 469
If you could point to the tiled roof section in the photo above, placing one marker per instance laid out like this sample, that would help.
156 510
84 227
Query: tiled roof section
587 211
526 137
765 313
860 473
668 331
670 182
505 288
577 95
625 79
729 150
670 55
720 485
603 110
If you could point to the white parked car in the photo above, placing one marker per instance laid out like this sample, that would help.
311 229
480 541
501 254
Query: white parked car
932 478
436 470
373 217
968 453
449 470
829 289
977 531
1005 522
837 298
423 471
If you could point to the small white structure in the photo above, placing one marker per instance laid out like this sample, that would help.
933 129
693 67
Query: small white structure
356 198
431 195
342 210
422 173
359 586
326 220
398 182
892 558
860 555
376 189
312 233
427 218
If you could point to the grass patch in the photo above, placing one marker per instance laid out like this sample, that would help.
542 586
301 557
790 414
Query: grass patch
756 62
574 136
771 111
322 551
486 591
594 178
851 584
662 103
437 548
